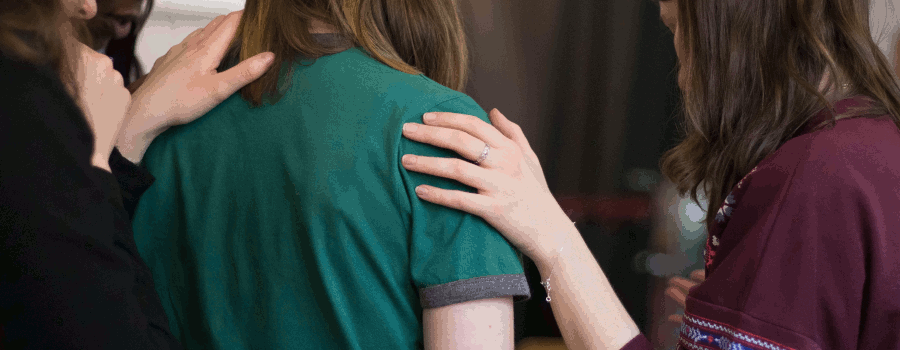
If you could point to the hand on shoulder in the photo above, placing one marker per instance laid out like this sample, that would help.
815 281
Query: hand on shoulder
183 84
512 193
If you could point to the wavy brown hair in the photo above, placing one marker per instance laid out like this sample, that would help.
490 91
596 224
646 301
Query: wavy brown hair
754 72
412 36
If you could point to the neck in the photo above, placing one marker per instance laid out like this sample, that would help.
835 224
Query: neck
319 27
836 91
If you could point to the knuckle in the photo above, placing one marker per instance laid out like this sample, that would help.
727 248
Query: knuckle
458 167
513 147
104 61
245 75
458 137
117 78
511 153
496 209
450 117
446 118
453 201
437 196
442 134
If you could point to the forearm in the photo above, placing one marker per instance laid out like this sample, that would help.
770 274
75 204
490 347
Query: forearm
589 314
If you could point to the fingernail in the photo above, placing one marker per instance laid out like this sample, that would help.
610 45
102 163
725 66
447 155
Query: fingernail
429 117
408 159
422 191
410 127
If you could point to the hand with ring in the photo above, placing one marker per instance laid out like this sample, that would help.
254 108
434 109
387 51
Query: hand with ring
512 192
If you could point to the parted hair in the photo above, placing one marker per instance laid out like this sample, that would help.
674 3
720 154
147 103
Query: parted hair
752 75
412 36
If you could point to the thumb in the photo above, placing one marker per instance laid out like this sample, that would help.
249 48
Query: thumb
244 73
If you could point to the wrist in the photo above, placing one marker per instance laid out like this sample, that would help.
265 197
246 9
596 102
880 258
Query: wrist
559 246
137 136
557 234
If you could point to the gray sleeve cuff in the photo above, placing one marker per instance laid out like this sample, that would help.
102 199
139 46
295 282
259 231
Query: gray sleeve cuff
476 288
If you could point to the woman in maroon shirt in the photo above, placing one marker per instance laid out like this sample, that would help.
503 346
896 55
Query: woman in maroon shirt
791 119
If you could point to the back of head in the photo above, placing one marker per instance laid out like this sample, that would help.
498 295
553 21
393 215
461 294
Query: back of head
755 72
412 36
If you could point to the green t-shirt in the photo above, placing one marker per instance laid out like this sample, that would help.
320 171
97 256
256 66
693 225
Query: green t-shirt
294 226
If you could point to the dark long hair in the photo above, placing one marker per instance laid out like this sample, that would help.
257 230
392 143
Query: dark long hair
123 50
412 36
750 78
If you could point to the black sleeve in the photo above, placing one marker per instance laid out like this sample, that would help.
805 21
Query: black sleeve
133 180
70 275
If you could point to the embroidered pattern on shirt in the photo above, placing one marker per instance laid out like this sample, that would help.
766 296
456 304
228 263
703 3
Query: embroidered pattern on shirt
722 216
702 334
726 209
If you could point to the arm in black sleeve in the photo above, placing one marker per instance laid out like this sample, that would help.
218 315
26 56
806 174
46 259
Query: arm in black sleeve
133 180
70 276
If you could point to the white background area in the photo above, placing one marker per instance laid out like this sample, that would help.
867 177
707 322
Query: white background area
172 20
884 19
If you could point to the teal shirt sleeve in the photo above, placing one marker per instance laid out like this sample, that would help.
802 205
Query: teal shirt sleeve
455 256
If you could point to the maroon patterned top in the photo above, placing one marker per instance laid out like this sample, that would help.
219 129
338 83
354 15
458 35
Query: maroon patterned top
805 251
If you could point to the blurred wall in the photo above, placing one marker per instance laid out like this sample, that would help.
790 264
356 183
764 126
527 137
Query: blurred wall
884 22
172 20
568 72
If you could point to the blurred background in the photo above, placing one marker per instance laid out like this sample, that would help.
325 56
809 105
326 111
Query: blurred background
593 86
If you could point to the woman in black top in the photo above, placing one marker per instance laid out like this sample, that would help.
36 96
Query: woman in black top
70 275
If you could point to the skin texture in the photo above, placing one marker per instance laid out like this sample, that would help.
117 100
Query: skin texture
478 324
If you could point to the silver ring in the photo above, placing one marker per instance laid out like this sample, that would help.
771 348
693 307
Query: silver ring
484 154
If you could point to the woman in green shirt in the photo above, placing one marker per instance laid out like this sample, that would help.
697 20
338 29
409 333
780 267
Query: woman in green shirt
283 220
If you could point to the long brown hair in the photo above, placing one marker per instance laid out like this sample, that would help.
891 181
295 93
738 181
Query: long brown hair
30 31
412 36
750 79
